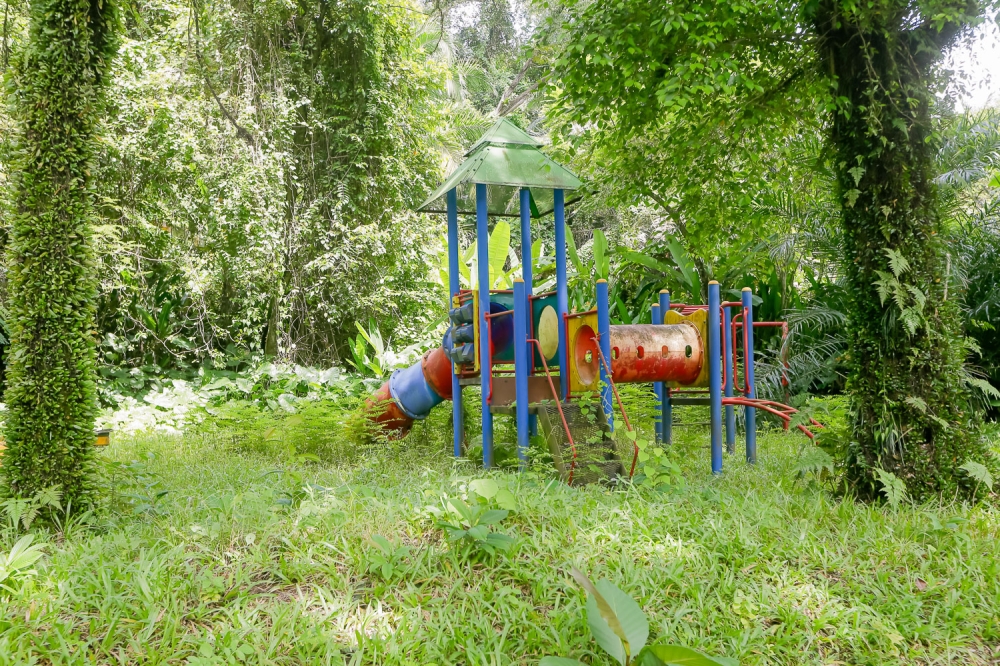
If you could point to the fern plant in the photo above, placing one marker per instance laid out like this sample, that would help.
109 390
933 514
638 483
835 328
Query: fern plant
909 299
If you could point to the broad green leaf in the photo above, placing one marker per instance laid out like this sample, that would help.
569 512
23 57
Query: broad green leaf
492 516
623 313
505 499
618 624
23 554
463 269
646 260
676 655
500 541
571 250
601 258
147 318
460 508
382 543
485 488
499 249
560 661
685 265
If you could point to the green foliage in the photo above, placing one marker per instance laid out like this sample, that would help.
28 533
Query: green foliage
620 627
57 93
684 102
137 485
359 350
892 486
469 527
386 559
978 473
14 565
656 469
22 512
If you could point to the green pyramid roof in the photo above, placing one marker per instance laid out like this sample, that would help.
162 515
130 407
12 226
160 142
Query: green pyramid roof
505 159
504 132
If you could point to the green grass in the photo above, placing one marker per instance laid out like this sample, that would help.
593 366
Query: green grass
751 565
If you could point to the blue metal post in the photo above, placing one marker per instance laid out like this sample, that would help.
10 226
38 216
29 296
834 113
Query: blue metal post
604 332
526 274
656 318
714 375
727 353
526 241
483 261
750 413
666 409
562 290
453 287
521 372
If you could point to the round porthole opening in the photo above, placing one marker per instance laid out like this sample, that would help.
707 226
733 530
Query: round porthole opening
688 351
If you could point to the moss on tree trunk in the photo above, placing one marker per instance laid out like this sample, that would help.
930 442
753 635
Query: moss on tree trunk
911 407
50 372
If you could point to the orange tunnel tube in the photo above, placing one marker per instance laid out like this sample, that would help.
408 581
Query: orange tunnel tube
642 353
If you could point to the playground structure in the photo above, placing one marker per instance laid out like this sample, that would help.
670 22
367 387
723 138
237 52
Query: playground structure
537 361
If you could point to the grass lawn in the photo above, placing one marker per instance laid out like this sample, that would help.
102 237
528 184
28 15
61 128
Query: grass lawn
752 565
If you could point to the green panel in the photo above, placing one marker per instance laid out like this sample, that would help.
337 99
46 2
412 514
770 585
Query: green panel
507 300
504 131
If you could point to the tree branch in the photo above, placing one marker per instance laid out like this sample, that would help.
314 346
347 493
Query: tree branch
513 85
241 131
523 97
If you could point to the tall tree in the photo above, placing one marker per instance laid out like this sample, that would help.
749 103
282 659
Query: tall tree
51 393
704 74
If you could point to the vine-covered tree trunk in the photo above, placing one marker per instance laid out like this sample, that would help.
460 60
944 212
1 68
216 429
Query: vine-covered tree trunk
910 405
50 373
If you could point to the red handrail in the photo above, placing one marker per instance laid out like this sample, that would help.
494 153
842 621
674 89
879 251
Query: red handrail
552 387
621 407
783 412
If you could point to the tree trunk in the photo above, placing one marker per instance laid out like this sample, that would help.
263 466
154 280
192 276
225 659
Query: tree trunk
53 286
911 413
